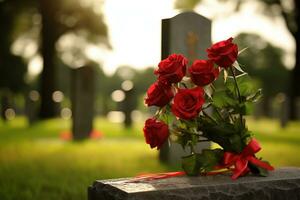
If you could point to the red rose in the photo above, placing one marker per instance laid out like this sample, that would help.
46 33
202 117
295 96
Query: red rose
159 95
223 53
155 132
171 69
188 103
203 72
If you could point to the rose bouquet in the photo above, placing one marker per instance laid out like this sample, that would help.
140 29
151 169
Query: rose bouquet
206 101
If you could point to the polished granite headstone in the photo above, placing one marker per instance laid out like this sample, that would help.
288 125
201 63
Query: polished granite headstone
281 184
189 34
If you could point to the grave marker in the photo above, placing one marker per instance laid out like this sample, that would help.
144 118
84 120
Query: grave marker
83 92
189 34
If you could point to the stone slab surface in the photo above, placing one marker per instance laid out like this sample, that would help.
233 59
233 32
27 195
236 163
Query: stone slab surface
281 184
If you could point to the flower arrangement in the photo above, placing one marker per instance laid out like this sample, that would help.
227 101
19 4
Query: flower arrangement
206 101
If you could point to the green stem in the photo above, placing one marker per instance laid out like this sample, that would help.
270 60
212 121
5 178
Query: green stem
238 91
231 118
219 114
184 85
212 87
209 105
192 148
207 115
236 85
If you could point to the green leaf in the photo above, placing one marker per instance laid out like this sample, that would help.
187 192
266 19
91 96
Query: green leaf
244 108
223 99
166 118
185 131
228 136
190 165
245 84
238 67
249 107
258 170
244 49
185 138
209 158
208 91
204 162
236 141
256 96
225 75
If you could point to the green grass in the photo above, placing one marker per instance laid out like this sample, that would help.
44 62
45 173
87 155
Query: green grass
280 146
36 164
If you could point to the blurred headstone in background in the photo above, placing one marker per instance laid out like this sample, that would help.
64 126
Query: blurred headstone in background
4 105
32 106
189 34
258 110
284 104
82 96
129 103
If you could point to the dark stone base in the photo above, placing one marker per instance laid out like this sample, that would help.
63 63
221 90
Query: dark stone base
281 184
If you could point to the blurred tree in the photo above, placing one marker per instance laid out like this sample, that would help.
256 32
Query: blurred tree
289 10
81 17
59 18
267 67
12 67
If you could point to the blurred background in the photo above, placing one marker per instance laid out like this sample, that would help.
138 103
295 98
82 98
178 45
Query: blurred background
79 69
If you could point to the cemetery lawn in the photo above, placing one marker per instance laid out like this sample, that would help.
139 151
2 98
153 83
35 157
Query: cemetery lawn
35 163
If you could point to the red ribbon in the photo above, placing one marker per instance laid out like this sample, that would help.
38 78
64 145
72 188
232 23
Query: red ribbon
149 177
240 161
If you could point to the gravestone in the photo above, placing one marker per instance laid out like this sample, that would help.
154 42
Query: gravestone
31 106
284 110
188 34
5 104
128 105
83 92
281 184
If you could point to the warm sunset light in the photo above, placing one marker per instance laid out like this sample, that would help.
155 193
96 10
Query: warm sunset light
149 99
135 28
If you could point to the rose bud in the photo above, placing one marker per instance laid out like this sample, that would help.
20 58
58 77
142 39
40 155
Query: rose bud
156 133
223 53
171 69
203 72
188 103
159 94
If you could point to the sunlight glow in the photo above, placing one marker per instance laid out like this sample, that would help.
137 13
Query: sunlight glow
35 65
116 116
135 30
24 47
118 96
10 114
127 85
57 96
